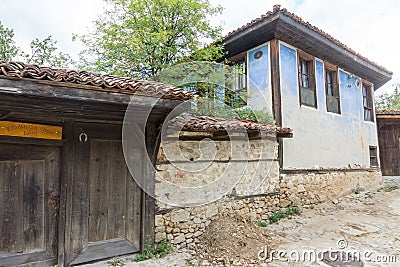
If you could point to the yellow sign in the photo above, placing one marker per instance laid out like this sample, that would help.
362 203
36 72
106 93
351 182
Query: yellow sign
20 129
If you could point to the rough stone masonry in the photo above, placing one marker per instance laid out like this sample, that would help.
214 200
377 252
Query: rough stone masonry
260 191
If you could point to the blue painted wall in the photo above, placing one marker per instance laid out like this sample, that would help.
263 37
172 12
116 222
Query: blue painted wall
259 78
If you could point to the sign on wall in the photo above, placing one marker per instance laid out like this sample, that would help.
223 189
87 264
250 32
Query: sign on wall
19 129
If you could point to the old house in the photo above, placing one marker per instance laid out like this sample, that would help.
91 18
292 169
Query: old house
66 195
388 122
314 85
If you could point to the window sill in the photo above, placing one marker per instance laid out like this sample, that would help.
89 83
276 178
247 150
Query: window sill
334 113
308 106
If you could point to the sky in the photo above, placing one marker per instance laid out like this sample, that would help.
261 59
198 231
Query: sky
371 28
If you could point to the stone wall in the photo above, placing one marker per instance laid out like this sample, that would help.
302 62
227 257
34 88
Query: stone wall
248 169
305 188
254 194
184 226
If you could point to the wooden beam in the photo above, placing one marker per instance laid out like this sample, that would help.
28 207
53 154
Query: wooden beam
66 174
80 93
276 92
387 116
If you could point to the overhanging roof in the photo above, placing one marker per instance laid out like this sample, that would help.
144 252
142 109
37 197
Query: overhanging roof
90 81
283 25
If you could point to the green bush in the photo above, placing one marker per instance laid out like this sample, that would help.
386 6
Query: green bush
160 250
281 214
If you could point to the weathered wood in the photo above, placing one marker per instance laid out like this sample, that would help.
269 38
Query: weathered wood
134 209
12 230
28 109
66 171
24 152
29 141
52 200
116 191
27 221
80 93
389 147
276 93
79 197
105 249
99 183
35 258
104 219
153 139
33 205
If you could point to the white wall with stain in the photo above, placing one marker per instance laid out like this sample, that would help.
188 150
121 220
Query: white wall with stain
323 139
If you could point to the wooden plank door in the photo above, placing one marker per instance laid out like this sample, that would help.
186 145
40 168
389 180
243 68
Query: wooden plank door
29 204
104 202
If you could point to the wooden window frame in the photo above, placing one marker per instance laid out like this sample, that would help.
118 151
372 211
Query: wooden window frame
302 56
373 157
233 98
368 101
334 86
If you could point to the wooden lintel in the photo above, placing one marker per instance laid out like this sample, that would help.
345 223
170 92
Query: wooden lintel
285 135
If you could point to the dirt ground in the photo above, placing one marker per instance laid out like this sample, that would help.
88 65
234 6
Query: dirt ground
361 229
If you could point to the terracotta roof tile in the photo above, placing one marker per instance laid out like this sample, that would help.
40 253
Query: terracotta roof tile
277 10
208 124
96 81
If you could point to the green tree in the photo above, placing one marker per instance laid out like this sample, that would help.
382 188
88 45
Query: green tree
388 101
45 52
141 37
8 48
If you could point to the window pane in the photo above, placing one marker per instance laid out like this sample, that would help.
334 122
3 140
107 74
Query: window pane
304 73
307 96
373 156
236 88
333 105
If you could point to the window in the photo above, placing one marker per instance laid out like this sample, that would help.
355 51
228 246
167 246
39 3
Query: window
236 92
332 89
367 102
373 156
308 94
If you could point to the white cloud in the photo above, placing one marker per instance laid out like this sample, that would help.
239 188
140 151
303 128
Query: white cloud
371 28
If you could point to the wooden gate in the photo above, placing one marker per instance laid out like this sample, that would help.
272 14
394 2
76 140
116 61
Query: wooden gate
29 198
104 203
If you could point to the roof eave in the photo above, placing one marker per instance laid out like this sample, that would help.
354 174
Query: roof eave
283 27
314 43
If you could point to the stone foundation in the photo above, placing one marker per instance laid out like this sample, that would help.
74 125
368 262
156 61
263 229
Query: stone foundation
312 187
184 226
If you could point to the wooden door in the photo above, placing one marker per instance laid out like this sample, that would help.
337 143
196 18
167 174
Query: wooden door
29 204
104 202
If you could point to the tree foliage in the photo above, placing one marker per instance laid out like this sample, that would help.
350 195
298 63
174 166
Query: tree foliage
141 37
45 52
388 101
8 48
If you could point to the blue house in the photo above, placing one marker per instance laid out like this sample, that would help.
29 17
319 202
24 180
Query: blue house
317 86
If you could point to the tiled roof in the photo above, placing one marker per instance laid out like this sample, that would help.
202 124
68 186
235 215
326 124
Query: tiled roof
208 124
277 10
95 81
388 112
